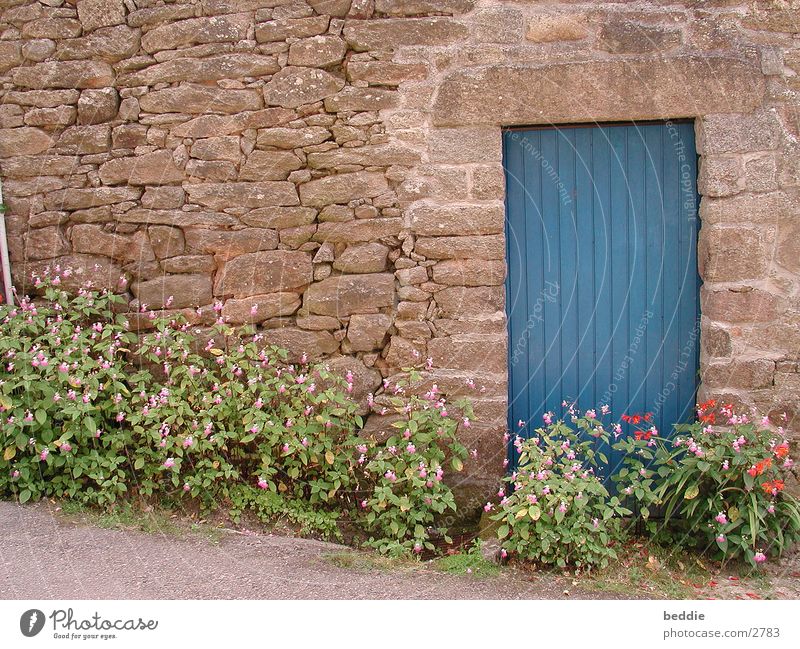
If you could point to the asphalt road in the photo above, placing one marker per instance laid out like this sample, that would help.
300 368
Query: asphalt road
46 556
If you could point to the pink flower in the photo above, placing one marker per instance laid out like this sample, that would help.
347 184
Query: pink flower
262 483
721 538
417 548
364 504
285 448
488 507
532 499
411 448
759 557
186 487
721 518
503 553
562 507
548 418
66 447
390 476
43 455
771 509
188 442
169 463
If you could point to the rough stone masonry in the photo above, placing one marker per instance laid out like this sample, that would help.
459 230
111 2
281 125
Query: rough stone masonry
332 169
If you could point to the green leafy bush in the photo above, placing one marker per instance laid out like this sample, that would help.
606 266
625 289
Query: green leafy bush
92 412
62 381
407 492
240 412
720 483
559 512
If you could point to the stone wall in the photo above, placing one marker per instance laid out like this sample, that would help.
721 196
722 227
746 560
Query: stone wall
332 169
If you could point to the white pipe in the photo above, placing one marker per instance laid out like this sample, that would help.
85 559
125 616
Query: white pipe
8 288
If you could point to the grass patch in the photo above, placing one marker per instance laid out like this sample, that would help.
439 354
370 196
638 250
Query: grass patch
469 562
368 561
126 516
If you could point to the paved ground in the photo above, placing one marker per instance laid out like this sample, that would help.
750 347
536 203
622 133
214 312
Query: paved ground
45 556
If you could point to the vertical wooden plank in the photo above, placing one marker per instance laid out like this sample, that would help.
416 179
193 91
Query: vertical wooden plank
690 286
585 246
654 267
601 172
671 283
637 302
618 229
552 394
537 290
515 279
533 245
568 254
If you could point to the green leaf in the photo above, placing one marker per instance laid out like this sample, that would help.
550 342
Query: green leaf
458 465
535 512
692 492
139 463
24 496
41 416
502 531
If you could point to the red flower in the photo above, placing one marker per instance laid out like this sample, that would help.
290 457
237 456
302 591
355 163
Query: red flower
782 450
772 488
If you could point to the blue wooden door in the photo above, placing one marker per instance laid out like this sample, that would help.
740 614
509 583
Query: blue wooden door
602 288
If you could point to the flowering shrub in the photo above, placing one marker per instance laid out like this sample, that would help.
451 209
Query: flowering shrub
720 483
559 512
62 376
407 470
91 411
239 412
